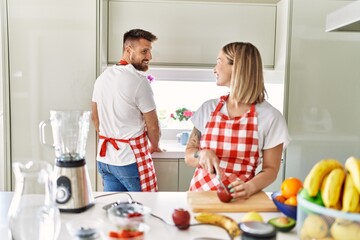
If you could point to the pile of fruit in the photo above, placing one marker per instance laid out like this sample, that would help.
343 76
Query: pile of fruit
289 190
332 185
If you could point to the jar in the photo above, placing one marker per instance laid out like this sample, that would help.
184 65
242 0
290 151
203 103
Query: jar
33 213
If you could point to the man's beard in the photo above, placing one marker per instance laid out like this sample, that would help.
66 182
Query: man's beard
140 67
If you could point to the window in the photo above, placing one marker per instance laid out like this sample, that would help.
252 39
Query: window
177 88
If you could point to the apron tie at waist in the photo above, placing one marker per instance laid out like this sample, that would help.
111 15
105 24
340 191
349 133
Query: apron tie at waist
112 141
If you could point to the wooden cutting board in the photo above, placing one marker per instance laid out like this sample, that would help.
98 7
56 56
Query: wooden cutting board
207 201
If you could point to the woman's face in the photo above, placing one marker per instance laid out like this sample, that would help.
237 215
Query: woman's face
222 70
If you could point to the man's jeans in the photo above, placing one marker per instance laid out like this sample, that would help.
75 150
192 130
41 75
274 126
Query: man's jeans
120 178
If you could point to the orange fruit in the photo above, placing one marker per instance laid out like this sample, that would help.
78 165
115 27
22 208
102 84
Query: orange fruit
280 198
291 201
290 187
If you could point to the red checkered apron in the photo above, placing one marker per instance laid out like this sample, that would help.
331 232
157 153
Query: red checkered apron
140 148
235 142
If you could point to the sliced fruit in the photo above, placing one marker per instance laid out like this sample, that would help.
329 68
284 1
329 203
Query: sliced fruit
283 224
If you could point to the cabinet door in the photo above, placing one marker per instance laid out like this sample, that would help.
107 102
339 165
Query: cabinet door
52 65
167 174
185 175
191 33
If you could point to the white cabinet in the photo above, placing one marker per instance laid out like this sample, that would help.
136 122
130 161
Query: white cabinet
167 174
191 33
173 174
52 65
185 175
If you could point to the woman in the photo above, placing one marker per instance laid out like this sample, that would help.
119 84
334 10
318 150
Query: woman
232 134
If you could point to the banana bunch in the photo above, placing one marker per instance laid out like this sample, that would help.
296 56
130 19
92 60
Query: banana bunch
317 174
225 222
339 186
351 195
331 188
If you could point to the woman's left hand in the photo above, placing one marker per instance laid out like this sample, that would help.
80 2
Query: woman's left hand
241 189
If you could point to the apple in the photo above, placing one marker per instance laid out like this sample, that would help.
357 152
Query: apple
181 218
223 194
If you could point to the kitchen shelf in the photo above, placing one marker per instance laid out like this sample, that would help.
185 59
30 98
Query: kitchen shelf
345 19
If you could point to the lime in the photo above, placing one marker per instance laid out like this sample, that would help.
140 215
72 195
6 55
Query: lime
317 199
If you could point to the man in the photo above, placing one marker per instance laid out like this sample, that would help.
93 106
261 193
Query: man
124 115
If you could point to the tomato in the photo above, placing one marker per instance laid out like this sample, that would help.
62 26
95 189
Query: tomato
125 233
135 214
113 234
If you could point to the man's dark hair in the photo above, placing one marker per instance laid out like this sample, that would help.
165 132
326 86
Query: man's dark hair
136 34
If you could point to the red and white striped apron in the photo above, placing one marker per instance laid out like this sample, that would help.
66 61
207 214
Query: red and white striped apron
235 143
141 150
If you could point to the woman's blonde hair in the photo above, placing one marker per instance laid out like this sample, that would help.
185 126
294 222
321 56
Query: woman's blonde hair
247 80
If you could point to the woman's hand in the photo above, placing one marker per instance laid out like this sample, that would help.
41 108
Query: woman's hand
209 161
241 189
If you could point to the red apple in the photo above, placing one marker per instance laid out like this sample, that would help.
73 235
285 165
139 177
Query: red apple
223 194
181 218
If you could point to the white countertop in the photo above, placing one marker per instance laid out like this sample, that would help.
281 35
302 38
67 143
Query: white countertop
161 203
172 149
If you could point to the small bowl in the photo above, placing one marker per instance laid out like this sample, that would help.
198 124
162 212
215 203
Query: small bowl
286 209
85 229
125 215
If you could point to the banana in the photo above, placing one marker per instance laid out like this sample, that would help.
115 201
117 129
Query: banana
352 165
331 187
350 199
314 179
220 220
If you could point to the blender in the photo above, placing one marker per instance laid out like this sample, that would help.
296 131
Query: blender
70 130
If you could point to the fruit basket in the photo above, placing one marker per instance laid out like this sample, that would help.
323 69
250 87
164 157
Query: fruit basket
318 222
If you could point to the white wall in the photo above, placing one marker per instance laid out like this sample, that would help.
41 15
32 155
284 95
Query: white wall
324 86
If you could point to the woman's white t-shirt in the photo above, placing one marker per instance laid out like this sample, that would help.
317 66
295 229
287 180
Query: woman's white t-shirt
272 128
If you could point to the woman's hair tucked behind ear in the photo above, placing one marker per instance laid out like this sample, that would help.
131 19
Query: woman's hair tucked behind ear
247 79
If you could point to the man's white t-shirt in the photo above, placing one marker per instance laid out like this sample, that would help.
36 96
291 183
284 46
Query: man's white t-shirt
122 94
272 128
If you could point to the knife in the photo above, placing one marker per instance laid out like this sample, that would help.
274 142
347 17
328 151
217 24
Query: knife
218 176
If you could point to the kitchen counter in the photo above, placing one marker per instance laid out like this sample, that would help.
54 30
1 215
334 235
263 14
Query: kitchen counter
161 203
172 149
